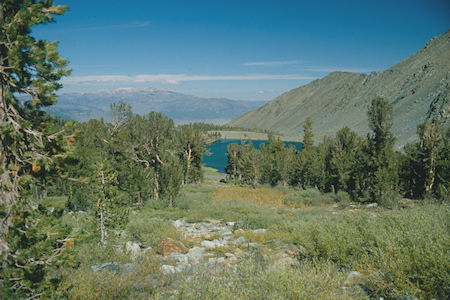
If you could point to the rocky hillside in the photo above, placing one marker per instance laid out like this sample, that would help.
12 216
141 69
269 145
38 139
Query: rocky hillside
180 107
417 87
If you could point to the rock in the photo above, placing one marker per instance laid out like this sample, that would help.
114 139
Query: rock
353 275
168 270
229 255
128 268
261 230
211 221
254 245
112 267
227 233
216 260
371 205
145 250
167 246
133 250
182 267
214 244
208 244
274 241
195 255
238 252
178 223
231 223
239 240
178 257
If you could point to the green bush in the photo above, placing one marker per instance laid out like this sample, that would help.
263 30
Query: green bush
308 197
255 279
149 230
402 252
342 198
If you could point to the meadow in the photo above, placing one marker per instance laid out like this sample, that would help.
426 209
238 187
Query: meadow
310 245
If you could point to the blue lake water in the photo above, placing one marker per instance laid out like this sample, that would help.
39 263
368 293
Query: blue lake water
217 158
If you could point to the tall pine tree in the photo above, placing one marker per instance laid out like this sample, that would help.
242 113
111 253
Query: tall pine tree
33 68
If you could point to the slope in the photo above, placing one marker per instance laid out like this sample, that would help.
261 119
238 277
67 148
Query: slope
417 87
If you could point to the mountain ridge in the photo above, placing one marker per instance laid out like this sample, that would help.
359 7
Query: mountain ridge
417 87
180 107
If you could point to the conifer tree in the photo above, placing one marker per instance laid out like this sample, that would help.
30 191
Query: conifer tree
33 68
382 173
108 209
308 135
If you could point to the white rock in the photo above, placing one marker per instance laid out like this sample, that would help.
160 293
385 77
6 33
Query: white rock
180 267
239 240
255 245
178 257
168 270
231 223
227 233
261 230
178 223
229 255
133 250
220 243
371 205
353 274
195 254
208 244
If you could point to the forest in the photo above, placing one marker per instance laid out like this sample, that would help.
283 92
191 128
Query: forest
366 169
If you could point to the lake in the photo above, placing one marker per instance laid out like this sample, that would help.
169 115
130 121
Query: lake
217 158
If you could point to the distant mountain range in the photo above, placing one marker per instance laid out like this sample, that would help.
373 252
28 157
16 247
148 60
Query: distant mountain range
417 87
182 108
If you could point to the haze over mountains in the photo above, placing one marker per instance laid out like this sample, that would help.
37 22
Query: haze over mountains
179 107
417 87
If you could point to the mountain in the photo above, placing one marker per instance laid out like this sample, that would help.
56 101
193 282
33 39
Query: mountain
417 87
182 108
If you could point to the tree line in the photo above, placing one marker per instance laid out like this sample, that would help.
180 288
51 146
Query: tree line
368 169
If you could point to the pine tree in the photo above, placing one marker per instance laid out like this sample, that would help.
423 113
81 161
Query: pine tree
308 135
382 172
33 68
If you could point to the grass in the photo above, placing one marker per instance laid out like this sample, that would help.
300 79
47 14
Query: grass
400 252
260 196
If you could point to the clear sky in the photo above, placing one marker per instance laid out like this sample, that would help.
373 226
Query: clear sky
247 49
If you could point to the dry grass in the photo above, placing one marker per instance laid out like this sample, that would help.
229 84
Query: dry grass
261 196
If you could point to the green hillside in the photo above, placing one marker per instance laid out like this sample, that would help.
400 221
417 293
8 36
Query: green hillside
417 87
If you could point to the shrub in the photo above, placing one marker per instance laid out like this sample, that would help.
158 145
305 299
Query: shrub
308 197
402 252
253 279
150 230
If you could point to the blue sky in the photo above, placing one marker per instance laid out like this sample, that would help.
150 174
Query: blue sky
247 49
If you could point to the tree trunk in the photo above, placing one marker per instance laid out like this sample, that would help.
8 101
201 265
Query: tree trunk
102 216
188 165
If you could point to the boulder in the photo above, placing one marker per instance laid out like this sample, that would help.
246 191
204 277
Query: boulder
208 244
112 267
133 249
167 269
168 245
128 268
195 255
178 257
239 240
